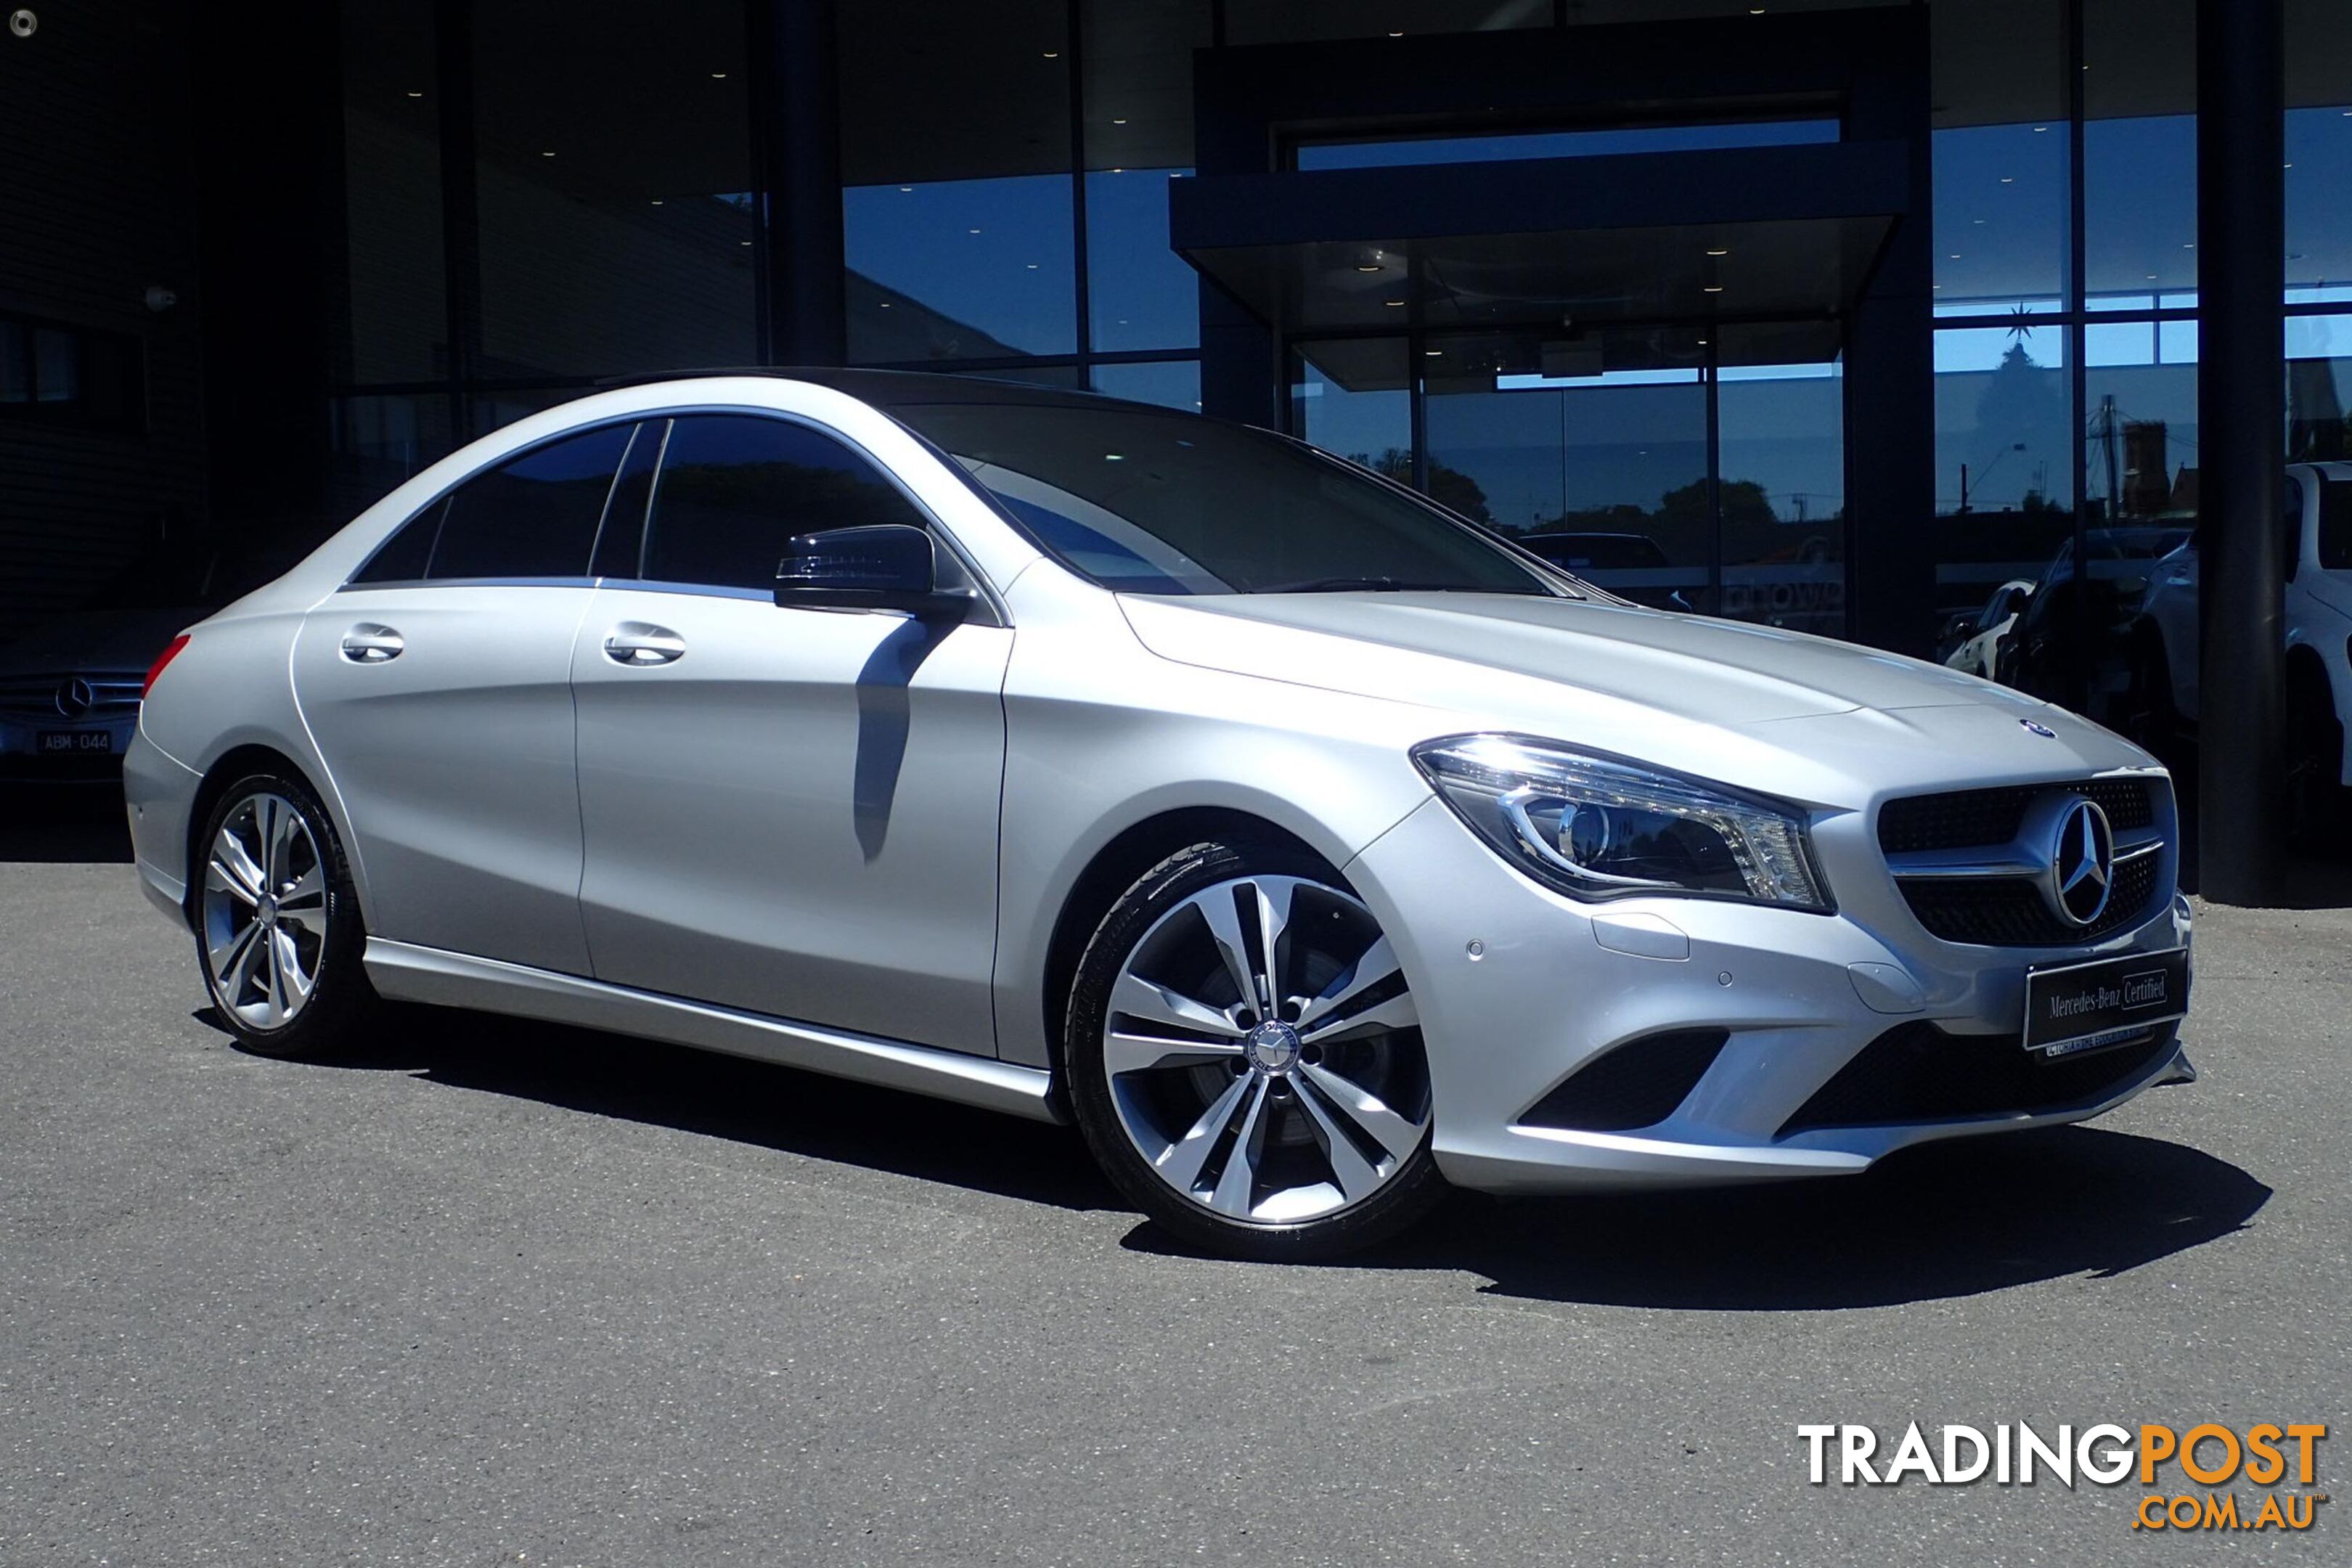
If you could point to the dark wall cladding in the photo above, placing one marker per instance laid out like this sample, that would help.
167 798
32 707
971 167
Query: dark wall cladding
96 187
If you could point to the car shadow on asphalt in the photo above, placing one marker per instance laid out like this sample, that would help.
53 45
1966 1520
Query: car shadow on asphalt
1949 1219
751 1102
1945 1220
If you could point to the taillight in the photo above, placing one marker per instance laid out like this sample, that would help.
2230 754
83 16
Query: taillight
170 652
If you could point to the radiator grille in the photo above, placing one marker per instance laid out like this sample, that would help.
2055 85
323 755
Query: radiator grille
43 695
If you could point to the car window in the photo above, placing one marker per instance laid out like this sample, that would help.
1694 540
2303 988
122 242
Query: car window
735 488
2336 525
2291 509
533 516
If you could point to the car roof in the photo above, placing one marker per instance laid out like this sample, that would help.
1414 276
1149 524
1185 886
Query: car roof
909 388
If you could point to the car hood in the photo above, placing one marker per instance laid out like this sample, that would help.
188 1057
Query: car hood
96 640
1447 650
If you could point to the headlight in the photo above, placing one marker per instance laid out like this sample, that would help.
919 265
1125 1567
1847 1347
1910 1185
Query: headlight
1601 828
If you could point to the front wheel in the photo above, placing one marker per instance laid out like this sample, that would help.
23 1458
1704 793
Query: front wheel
1246 1060
277 927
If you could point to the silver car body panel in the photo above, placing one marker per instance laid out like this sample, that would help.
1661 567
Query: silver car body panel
475 709
796 815
741 849
410 973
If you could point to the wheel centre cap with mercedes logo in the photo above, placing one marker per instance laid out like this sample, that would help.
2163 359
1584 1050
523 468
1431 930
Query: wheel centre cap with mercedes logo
2082 863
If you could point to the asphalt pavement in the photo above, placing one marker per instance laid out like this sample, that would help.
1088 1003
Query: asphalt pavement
505 1293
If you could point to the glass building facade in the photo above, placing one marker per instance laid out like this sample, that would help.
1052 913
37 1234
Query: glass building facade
1690 405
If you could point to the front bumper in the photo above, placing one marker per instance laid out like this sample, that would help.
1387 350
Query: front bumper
1519 988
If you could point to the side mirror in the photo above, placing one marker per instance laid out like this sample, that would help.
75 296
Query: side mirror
886 566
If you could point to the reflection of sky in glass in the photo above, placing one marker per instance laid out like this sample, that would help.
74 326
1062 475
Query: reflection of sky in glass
2319 198
1141 294
2139 205
1350 424
1389 154
996 255
2000 215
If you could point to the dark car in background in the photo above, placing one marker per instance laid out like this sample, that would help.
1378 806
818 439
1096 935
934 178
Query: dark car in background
69 683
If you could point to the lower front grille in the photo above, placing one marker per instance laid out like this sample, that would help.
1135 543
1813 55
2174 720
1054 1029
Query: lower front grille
1637 1084
2010 912
1918 1072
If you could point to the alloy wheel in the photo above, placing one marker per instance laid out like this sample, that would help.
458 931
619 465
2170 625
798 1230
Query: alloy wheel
1264 1054
265 911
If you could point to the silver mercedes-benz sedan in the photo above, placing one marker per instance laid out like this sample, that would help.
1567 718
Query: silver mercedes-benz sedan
1307 845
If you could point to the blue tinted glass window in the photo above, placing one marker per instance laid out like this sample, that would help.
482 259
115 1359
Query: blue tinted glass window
735 488
960 269
533 516
1140 294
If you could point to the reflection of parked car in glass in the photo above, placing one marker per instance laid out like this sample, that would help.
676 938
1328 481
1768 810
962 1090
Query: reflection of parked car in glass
69 684
1979 637
2057 654
2163 644
1630 565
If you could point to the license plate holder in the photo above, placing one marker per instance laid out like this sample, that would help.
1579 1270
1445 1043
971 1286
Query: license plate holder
74 742
2075 1007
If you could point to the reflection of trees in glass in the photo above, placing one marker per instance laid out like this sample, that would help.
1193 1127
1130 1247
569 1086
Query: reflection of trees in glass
1448 486
2022 404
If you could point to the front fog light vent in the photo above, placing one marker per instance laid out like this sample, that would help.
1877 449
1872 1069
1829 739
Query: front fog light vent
1638 1084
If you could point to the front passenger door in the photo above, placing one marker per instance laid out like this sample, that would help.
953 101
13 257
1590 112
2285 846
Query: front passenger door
788 811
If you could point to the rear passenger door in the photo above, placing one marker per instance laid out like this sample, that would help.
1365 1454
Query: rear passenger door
789 810
438 683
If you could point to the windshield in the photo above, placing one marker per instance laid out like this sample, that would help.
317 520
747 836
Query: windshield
1148 501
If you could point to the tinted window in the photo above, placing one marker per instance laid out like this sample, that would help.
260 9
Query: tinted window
734 489
532 516
1156 503
2336 524
2291 505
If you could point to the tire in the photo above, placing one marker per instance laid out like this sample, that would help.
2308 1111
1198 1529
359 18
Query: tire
279 933
2319 808
1283 1138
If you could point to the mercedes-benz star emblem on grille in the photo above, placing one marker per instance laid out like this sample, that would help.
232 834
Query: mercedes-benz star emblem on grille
2082 864
2038 728
75 696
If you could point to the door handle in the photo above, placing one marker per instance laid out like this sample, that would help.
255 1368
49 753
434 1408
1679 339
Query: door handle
369 642
639 642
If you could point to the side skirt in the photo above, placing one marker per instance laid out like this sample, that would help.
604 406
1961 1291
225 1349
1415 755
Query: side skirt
403 971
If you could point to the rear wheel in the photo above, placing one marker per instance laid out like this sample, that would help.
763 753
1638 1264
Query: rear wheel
1245 1060
278 928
